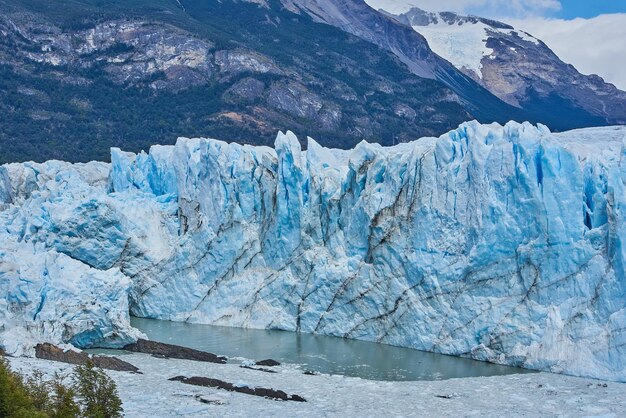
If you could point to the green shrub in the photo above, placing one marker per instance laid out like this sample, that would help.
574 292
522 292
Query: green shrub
15 401
52 397
38 390
36 397
62 403
96 392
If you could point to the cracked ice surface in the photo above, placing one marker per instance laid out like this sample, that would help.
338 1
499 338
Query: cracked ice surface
498 243
525 395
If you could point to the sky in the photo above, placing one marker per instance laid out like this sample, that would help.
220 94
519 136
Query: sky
590 34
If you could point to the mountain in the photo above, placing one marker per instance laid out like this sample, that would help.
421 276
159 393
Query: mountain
517 67
502 244
80 76
357 18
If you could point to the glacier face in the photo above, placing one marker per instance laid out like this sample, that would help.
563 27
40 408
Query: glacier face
498 243
45 294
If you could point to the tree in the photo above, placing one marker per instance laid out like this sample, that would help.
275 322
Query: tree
97 392
36 397
38 390
62 403
15 401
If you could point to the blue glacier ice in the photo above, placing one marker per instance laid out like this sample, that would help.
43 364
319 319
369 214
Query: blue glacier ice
499 243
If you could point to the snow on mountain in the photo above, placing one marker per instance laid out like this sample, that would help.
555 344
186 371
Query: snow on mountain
515 66
498 243
599 43
483 58
463 41
464 47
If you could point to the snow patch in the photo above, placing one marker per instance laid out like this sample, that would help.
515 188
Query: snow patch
463 45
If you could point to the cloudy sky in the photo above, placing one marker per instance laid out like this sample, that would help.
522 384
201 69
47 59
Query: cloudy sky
590 34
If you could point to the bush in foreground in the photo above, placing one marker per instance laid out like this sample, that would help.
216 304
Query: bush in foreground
97 392
92 395
15 400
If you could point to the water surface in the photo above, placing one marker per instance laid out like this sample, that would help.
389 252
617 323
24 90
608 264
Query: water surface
318 353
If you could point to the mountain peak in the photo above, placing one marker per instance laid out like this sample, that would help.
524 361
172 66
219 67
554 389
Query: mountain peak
514 65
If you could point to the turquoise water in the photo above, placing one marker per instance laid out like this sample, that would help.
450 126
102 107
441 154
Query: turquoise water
320 353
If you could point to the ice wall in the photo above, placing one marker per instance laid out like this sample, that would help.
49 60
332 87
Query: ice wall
46 295
498 243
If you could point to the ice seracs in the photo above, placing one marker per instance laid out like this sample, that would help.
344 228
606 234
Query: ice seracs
497 243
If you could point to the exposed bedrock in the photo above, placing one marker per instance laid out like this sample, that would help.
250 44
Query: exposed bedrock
164 350
51 352
497 243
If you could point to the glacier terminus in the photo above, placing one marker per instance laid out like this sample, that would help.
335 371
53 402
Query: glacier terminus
499 243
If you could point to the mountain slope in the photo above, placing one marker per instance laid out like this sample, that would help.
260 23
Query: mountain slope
516 67
357 18
80 76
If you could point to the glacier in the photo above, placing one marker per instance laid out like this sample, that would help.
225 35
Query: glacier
499 243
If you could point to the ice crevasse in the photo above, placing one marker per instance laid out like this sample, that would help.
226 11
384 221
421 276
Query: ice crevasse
502 244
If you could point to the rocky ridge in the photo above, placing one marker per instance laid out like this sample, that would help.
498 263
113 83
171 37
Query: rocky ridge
512 64
99 79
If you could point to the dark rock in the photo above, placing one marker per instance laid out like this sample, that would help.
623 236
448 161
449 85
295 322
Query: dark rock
52 352
404 111
114 363
295 99
173 351
260 369
220 384
246 90
201 399
179 77
268 362
309 373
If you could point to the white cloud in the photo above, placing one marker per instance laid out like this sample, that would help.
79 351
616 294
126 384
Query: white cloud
487 8
593 46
